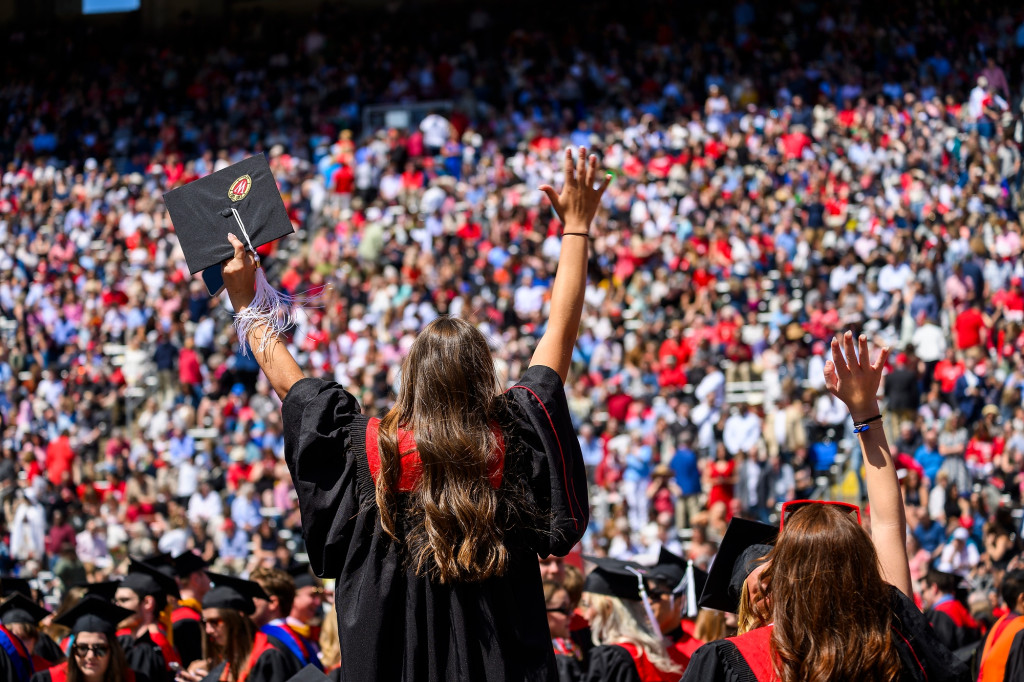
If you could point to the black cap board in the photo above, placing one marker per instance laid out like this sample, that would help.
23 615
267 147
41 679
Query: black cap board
188 563
613 578
202 214
150 581
302 576
105 590
671 570
310 673
93 614
234 593
20 609
744 542
10 584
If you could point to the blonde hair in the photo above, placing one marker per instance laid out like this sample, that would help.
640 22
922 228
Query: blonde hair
746 617
710 625
618 622
330 643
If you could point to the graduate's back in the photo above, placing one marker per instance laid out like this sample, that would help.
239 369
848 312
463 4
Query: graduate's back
431 518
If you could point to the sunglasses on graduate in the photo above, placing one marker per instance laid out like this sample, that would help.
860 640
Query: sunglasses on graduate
82 650
789 507
213 621
564 610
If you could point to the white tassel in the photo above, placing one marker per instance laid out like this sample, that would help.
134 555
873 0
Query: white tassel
691 592
276 311
655 628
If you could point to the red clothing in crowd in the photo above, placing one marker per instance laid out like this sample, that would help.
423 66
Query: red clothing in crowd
969 325
59 457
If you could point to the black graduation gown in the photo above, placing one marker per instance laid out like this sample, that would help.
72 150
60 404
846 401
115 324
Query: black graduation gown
395 624
8 672
721 660
144 657
274 664
188 639
611 663
47 649
951 635
569 669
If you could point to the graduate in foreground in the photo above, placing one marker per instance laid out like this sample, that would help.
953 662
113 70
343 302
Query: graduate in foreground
431 519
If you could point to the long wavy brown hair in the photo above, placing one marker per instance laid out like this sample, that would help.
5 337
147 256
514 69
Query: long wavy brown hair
239 636
830 605
449 397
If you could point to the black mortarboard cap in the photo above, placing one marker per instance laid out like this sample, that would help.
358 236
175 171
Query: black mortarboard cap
232 593
188 563
105 590
20 609
302 576
671 570
93 614
614 578
201 213
10 584
745 541
310 673
146 580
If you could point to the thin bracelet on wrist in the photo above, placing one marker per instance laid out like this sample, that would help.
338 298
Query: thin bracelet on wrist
576 234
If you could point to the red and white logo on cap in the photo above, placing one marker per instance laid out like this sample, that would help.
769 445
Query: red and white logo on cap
240 188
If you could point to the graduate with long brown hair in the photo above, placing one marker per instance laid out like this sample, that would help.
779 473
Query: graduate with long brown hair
836 603
431 519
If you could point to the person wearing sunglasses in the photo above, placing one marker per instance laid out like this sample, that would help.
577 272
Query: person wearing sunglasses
95 655
836 601
568 656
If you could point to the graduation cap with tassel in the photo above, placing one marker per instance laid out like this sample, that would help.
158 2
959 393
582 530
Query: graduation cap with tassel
243 200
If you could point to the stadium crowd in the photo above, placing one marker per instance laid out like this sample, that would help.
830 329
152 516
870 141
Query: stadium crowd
778 177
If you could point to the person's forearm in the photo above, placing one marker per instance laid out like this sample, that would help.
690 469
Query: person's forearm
275 360
567 293
888 516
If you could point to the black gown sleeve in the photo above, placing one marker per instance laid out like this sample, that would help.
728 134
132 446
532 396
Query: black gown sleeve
48 649
7 671
1015 662
318 416
144 658
215 674
188 640
917 644
556 476
611 663
273 665
41 676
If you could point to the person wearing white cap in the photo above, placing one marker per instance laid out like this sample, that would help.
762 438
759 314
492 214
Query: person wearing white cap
960 555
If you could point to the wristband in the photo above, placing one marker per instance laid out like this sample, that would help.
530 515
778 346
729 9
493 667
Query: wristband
876 418
576 234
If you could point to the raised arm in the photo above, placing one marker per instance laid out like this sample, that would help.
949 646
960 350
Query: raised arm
575 207
854 380
275 360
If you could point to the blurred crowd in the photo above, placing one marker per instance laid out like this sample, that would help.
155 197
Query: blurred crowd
779 176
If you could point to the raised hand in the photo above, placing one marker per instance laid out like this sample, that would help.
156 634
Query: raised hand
239 275
853 378
577 205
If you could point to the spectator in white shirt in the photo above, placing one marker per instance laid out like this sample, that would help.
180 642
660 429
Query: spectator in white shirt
742 430
205 504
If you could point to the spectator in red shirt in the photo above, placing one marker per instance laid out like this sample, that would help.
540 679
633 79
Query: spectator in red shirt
970 328
59 458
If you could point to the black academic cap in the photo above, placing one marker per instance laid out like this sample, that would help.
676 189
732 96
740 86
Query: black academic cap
232 593
188 563
614 578
157 560
310 673
146 580
105 590
302 576
20 609
93 614
671 570
745 541
10 584
201 212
